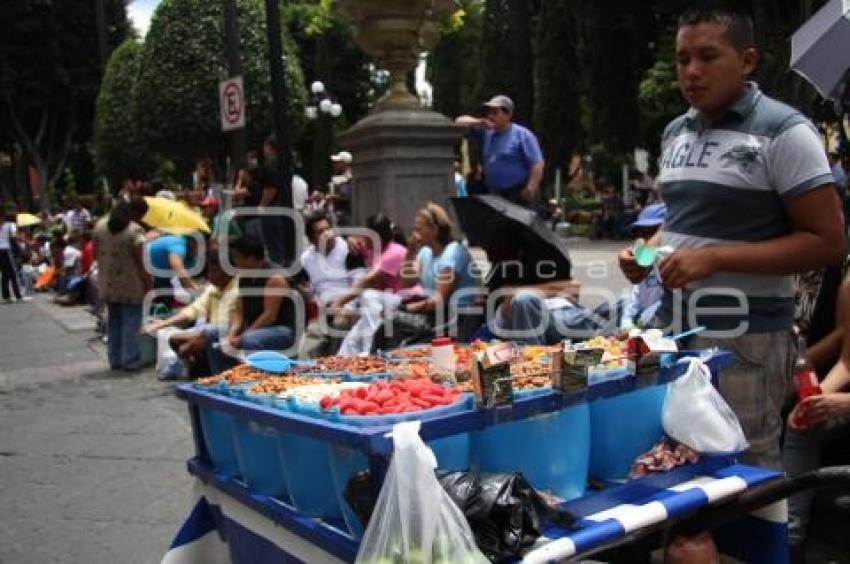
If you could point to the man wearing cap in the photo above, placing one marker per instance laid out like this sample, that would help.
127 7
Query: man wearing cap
210 209
341 185
513 161
642 304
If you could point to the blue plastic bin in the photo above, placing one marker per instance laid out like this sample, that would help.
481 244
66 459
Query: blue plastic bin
218 430
622 428
308 475
452 452
259 459
345 463
551 450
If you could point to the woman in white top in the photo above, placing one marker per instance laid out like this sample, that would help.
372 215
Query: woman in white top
8 231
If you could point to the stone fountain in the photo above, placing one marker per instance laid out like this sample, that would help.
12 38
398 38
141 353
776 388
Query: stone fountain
403 153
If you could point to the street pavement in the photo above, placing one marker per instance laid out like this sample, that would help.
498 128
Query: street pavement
92 462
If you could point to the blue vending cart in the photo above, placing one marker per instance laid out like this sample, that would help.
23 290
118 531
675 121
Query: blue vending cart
233 522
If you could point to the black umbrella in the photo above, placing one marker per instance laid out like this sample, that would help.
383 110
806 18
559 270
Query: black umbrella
488 218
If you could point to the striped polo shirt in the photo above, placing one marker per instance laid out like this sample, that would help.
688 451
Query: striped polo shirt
727 184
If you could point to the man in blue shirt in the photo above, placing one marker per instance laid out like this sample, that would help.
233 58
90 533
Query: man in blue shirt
175 254
513 161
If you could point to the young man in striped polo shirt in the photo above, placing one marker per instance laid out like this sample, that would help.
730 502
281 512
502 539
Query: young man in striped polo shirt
750 201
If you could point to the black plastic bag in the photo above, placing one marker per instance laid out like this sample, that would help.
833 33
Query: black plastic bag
503 510
361 495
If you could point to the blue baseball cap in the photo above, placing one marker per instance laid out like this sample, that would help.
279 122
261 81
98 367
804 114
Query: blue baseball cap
651 216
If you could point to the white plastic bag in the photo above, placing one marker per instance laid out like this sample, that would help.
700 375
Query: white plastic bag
414 519
697 415
164 352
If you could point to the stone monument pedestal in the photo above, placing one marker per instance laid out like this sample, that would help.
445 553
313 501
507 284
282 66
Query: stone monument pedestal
403 159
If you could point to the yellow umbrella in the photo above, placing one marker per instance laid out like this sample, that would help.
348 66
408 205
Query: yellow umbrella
173 216
27 219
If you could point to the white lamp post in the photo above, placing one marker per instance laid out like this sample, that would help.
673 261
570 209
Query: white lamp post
322 106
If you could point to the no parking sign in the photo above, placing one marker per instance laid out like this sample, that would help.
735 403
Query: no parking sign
231 103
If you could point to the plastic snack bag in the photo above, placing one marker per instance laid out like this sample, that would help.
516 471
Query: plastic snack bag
415 520
697 415
165 355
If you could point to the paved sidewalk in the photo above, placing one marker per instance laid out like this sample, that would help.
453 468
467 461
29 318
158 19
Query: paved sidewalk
92 462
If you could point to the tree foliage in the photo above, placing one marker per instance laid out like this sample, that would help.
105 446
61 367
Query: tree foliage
496 58
453 62
50 71
182 62
604 77
328 53
120 150
616 56
558 72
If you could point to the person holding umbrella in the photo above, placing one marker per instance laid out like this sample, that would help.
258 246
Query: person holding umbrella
534 297
513 161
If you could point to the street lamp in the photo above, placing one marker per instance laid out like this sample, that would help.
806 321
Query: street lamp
323 108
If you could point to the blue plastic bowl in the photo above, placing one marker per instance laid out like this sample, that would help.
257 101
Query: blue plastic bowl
262 399
366 377
219 387
551 450
530 393
622 428
218 430
237 390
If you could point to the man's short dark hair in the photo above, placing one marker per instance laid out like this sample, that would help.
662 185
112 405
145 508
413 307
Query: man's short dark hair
271 141
312 220
738 24
248 245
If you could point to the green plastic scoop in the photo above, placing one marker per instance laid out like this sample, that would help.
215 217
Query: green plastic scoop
646 256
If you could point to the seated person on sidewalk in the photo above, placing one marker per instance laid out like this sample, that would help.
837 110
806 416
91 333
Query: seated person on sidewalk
442 266
66 258
325 261
265 316
216 305
535 298
384 268
645 298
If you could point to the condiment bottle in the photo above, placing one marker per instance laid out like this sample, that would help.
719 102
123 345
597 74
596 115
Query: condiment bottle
805 377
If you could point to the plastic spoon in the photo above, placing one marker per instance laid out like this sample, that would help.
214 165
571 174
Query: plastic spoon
274 362
693 331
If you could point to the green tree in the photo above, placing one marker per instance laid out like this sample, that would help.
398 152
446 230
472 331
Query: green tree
453 63
182 62
327 52
119 149
660 101
496 59
520 14
617 53
559 86
50 73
